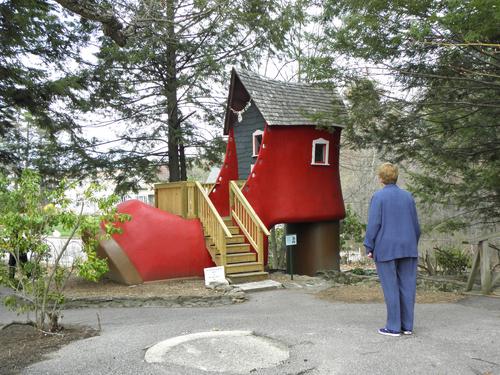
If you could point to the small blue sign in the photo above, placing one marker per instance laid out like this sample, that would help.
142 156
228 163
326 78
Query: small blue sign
291 239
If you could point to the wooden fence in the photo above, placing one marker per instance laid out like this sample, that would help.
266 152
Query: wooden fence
485 262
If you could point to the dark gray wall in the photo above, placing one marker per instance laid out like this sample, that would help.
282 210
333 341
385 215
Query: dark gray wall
252 121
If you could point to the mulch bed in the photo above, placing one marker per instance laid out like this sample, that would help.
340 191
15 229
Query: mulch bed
373 294
22 344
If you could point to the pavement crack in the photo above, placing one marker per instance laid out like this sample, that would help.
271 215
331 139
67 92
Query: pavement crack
483 360
302 343
303 372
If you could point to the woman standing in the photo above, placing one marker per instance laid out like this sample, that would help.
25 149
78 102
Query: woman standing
391 240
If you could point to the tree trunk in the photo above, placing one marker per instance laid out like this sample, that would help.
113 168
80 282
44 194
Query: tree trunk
183 167
272 249
281 247
171 94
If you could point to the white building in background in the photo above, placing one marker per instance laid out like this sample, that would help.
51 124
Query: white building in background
145 193
212 175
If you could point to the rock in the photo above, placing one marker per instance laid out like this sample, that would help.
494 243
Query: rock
440 284
217 285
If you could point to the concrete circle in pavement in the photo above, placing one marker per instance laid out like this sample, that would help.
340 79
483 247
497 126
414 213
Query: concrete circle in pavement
219 351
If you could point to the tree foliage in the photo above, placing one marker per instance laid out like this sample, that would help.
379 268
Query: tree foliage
155 81
422 82
163 73
40 88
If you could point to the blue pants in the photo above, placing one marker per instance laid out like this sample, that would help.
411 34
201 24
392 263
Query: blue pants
398 278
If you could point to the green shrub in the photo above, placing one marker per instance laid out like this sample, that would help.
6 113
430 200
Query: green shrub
358 271
451 260
351 228
29 213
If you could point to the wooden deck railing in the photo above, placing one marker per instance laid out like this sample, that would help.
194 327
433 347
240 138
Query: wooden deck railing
207 186
178 198
249 222
212 221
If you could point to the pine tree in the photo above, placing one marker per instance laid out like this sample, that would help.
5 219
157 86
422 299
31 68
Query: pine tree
161 69
39 89
422 82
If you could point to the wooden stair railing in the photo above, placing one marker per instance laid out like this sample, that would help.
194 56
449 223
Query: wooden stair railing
249 222
225 240
212 223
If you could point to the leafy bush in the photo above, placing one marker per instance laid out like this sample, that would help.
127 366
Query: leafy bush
351 228
29 213
452 261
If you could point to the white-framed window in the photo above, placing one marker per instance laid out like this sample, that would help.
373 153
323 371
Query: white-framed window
320 148
256 142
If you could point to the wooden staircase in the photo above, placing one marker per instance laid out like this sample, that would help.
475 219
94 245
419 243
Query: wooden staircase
241 262
236 242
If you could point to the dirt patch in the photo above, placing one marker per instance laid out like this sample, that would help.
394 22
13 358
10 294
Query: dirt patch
22 344
77 287
167 293
373 294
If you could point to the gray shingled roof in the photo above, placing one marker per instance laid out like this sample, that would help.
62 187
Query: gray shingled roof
285 103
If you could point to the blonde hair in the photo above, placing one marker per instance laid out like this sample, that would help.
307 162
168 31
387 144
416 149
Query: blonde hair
388 173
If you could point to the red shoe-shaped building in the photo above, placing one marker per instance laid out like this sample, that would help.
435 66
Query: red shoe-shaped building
283 148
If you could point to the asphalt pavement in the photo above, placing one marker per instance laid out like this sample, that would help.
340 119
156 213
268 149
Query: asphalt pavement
319 337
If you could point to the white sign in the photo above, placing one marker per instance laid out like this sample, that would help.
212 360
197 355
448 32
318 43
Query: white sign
214 275
291 239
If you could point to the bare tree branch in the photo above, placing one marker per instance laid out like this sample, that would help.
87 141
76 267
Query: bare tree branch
111 25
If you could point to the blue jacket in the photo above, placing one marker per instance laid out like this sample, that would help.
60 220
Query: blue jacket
393 230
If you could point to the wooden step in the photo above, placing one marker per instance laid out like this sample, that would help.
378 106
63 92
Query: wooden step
237 238
234 229
238 258
210 247
243 267
237 248
228 221
232 248
247 277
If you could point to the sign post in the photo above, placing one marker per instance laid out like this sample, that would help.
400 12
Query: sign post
290 241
